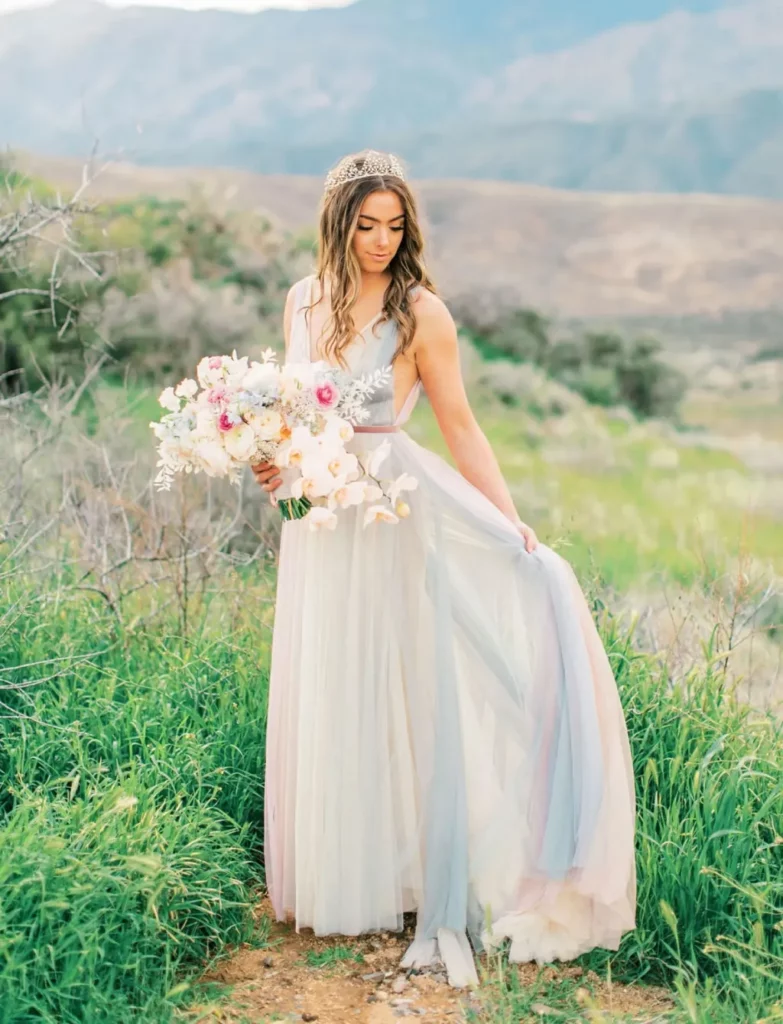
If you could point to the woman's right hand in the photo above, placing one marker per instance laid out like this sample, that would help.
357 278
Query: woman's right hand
266 475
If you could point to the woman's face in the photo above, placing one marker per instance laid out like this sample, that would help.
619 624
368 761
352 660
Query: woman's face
379 231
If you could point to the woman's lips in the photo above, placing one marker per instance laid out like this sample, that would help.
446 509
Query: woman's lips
375 256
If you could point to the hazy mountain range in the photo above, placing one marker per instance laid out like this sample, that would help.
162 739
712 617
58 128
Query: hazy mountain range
613 94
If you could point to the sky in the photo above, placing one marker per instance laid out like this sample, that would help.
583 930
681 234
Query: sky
193 5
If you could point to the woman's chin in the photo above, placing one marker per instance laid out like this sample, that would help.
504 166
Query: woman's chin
373 266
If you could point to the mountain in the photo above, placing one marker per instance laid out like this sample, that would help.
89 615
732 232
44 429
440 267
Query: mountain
734 147
491 243
553 91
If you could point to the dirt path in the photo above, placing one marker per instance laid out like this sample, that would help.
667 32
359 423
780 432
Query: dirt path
300 977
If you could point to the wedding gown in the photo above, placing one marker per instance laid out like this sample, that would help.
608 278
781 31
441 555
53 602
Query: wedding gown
444 730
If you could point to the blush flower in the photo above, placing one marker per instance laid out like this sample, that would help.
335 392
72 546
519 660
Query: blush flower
327 395
215 362
216 395
226 421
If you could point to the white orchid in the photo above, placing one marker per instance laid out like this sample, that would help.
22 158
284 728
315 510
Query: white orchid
404 482
379 514
319 517
298 415
297 447
349 494
372 492
344 464
339 428
317 486
375 458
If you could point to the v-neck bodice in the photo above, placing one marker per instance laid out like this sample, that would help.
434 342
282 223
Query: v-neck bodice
372 349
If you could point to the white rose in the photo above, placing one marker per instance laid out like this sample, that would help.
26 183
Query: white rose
186 388
240 443
207 375
266 424
213 457
169 400
261 377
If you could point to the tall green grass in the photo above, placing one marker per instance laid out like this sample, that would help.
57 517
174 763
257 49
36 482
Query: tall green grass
709 778
132 803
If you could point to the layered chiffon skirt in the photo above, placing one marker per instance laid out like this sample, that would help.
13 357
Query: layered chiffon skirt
444 735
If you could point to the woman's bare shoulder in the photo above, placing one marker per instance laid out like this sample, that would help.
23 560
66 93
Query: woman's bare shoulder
429 307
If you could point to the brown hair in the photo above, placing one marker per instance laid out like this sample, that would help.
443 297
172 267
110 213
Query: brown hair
339 215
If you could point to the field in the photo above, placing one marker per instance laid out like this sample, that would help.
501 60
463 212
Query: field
134 655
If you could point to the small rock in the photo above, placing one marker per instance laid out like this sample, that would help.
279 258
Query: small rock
375 976
309 1016
399 1002
376 943
268 961
399 984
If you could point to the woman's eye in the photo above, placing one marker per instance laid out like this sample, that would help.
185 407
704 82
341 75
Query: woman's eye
368 227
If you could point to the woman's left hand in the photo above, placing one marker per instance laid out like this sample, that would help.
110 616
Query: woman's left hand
529 535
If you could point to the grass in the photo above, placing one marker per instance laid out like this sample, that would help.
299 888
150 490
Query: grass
332 956
132 807
132 763
622 518
132 803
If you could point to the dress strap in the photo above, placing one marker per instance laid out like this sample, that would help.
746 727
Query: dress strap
299 345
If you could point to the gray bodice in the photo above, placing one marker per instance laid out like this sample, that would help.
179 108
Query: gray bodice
372 349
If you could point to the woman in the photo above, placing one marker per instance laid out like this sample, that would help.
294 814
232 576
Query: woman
444 730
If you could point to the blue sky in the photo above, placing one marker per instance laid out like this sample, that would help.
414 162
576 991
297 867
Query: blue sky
193 5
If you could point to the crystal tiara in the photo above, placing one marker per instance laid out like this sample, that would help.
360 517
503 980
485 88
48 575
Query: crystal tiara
372 163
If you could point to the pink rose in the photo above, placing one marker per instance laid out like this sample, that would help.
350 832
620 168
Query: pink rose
215 362
327 395
216 395
225 421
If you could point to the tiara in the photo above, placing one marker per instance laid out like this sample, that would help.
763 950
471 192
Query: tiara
373 163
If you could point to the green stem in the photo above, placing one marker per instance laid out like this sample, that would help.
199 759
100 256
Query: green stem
294 508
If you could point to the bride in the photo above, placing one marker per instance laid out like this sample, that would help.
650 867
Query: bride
444 731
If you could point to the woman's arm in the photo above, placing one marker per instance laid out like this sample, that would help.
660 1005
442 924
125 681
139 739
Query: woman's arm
266 472
436 351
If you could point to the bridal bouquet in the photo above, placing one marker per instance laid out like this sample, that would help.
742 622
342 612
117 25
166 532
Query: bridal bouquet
299 416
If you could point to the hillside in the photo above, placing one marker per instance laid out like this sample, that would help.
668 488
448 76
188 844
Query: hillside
673 97
570 253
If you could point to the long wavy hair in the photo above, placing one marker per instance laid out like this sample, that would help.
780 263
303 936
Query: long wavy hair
337 262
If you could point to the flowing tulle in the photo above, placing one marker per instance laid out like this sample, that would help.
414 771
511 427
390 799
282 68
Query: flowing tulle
444 734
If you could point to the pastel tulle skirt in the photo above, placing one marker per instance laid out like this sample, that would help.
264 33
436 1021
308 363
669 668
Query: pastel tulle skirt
444 735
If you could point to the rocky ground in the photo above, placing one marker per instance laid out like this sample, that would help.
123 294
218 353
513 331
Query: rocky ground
300 977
